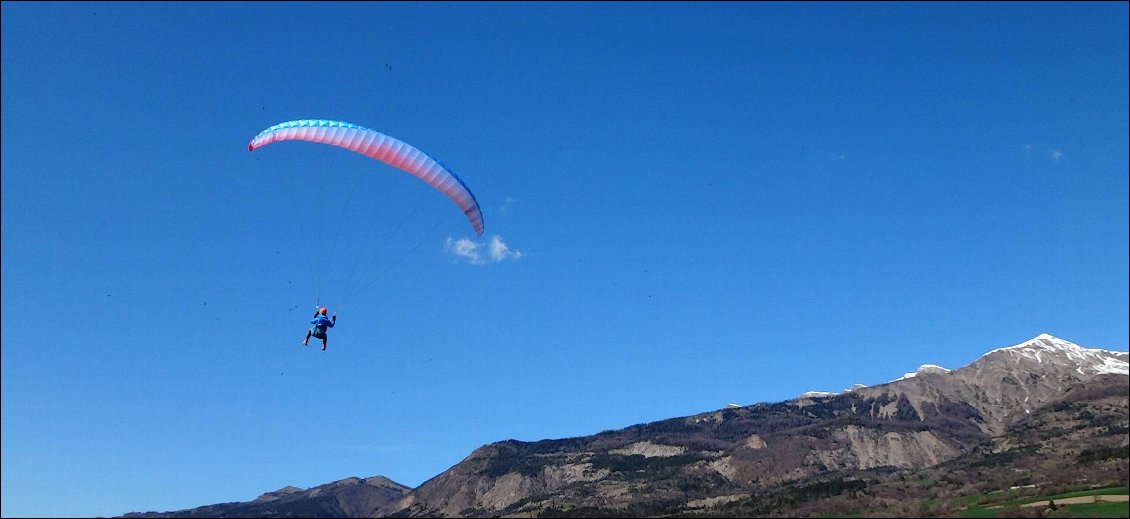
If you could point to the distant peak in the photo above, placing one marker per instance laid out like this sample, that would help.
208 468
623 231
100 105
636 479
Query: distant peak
817 394
1043 341
1048 348
284 491
823 394
381 481
923 370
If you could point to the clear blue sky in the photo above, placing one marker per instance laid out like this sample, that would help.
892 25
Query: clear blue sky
703 204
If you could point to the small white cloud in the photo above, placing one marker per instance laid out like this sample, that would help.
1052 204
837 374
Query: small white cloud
507 203
1028 147
500 251
479 254
464 248
1056 154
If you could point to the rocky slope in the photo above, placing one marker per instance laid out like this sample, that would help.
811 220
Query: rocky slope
925 419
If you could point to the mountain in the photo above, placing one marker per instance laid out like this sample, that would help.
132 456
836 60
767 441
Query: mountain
711 461
1045 412
1007 383
1075 442
350 497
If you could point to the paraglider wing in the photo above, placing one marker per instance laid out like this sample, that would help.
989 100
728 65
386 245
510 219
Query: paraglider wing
379 146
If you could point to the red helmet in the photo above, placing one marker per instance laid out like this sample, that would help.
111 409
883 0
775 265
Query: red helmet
322 310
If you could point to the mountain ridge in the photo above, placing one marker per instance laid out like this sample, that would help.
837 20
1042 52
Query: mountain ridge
910 423
997 407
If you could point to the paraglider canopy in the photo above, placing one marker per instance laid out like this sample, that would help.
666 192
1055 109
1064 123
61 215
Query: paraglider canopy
379 146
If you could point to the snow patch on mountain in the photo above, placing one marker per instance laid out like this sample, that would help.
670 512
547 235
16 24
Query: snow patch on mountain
1043 349
823 394
1048 348
817 394
922 370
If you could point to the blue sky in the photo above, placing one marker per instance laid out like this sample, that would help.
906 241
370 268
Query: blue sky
701 204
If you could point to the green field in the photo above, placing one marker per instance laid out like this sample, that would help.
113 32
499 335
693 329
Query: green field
1012 507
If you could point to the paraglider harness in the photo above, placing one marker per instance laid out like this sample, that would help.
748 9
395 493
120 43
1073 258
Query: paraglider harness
321 322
